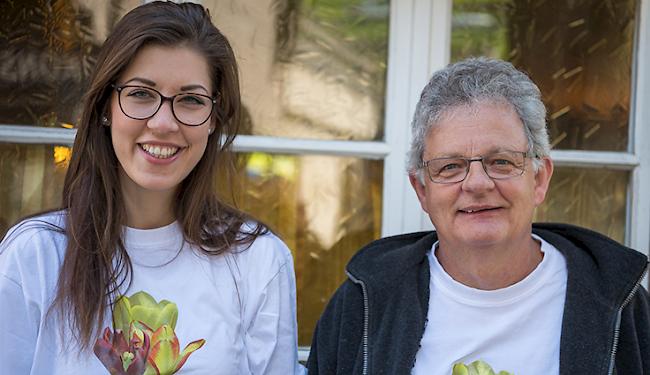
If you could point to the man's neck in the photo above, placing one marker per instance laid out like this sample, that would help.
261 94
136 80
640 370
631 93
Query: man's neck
490 267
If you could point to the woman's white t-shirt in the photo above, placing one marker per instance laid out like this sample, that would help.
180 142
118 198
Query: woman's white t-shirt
243 304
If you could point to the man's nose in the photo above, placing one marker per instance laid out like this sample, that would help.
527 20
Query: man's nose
477 178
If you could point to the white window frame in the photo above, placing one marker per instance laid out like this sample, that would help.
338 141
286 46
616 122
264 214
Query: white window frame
419 44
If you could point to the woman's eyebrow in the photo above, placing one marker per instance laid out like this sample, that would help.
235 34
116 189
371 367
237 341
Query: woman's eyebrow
149 82
142 80
192 87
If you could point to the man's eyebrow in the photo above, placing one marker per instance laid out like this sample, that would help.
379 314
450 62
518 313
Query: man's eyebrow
491 150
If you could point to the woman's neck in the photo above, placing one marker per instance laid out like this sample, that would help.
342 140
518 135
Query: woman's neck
147 209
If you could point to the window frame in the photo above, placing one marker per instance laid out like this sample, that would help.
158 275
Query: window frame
419 44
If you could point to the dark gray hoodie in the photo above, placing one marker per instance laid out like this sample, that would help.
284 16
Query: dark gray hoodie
374 322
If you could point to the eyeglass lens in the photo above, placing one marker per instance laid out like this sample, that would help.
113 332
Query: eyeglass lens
498 165
142 103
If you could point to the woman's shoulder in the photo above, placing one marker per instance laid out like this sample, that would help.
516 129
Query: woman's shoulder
35 239
266 250
44 224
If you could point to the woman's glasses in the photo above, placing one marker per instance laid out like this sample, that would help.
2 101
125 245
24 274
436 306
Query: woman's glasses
141 103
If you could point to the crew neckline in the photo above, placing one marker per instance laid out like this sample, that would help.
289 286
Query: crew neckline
153 247
164 235
462 293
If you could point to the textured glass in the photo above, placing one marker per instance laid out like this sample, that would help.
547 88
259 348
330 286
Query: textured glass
324 207
47 51
592 198
309 69
578 52
31 180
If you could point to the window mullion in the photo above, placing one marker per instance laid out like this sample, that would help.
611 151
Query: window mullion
639 207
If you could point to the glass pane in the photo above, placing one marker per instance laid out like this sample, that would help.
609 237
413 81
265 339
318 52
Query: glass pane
592 198
310 69
324 207
578 52
47 50
32 179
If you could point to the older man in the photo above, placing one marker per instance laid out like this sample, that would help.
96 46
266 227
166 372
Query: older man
487 285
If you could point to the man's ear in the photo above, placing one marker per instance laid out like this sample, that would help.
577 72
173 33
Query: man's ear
543 180
420 189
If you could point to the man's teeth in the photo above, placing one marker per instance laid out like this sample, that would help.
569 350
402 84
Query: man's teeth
160 152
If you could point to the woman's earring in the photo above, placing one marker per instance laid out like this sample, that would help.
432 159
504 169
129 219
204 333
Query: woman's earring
210 130
104 120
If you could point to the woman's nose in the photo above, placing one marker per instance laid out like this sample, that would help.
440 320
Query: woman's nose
164 120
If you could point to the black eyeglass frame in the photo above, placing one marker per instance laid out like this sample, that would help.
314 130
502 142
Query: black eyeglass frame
525 154
163 99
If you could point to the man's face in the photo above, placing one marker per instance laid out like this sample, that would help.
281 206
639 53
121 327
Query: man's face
480 211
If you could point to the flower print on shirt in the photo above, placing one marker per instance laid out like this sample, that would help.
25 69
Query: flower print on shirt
476 368
143 340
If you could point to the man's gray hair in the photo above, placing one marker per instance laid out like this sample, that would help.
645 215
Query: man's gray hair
469 82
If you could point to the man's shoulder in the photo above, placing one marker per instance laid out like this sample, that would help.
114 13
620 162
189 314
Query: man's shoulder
392 254
594 261
564 236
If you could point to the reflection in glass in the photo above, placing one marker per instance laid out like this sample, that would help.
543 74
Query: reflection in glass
592 198
578 52
32 180
47 51
310 69
324 207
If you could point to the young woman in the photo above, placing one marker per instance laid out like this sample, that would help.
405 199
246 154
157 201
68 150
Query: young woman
144 269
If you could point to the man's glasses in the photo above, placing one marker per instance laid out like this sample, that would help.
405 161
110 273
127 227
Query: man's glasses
141 103
498 165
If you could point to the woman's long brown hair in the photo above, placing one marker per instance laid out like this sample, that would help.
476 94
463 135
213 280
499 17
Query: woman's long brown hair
96 265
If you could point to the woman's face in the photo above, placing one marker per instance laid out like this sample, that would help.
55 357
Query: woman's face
157 153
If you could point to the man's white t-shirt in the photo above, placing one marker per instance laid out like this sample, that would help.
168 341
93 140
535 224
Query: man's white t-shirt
242 304
516 329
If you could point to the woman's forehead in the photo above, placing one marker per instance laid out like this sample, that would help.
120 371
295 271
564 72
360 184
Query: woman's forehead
168 67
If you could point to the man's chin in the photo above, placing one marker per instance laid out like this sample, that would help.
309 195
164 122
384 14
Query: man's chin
483 238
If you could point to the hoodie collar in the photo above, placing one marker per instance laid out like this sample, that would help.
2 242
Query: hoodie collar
600 265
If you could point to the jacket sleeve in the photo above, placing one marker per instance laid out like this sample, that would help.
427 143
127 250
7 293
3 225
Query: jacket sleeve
336 344
633 354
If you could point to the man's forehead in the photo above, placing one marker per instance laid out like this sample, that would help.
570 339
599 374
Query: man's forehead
483 127
474 107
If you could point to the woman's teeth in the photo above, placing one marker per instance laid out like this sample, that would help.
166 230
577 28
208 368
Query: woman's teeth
160 152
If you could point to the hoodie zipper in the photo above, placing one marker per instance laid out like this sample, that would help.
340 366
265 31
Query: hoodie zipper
365 321
617 326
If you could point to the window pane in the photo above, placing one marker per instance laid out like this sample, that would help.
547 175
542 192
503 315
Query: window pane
47 52
578 52
310 69
593 198
324 207
32 179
